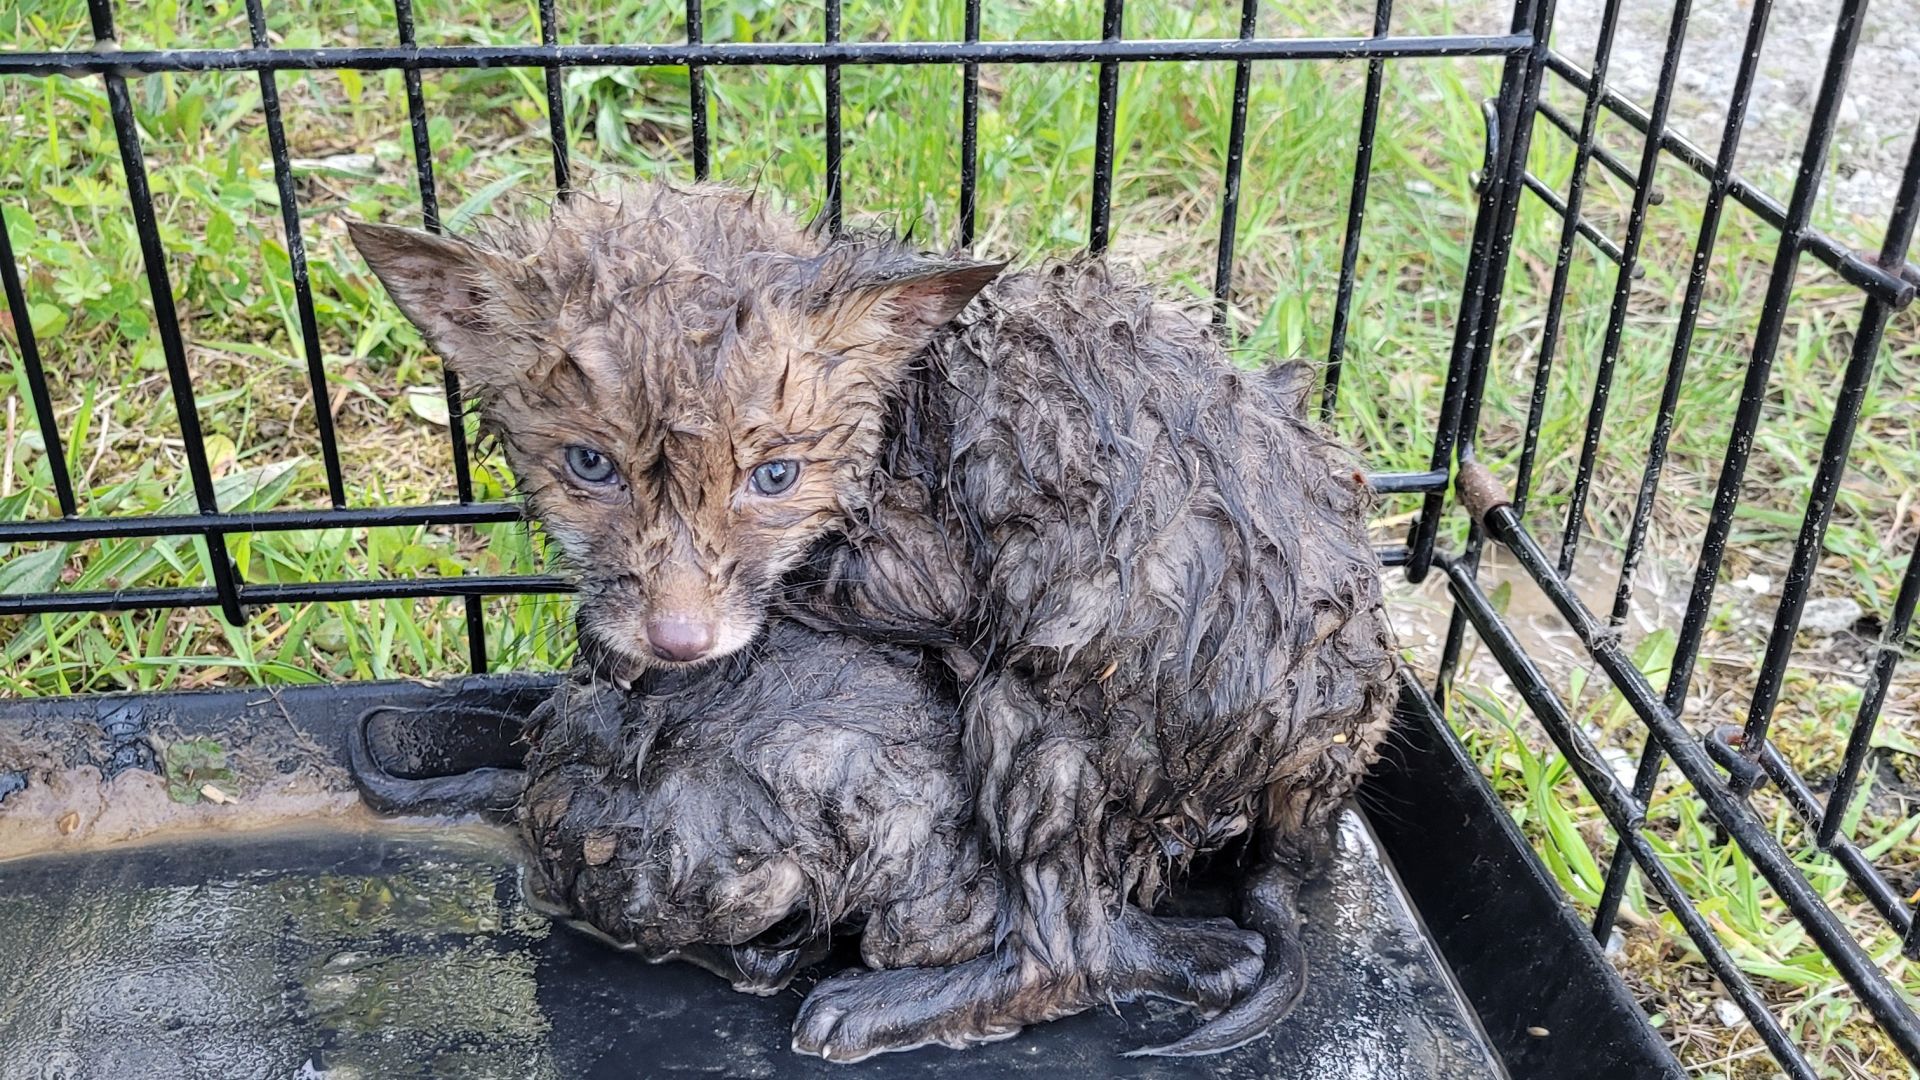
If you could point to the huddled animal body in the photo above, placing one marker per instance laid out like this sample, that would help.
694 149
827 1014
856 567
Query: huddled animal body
1144 568
741 815
812 784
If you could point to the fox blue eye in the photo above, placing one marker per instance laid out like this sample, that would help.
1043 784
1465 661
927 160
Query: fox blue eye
589 466
774 477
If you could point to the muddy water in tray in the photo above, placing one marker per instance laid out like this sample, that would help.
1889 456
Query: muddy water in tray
386 952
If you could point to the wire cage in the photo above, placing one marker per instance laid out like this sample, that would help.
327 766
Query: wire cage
1468 505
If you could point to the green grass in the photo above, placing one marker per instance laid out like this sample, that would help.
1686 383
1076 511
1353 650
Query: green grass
206 149
64 200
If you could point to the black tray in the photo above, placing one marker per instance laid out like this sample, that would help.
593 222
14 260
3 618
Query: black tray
371 949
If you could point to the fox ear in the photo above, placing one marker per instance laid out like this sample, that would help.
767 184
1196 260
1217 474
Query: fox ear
1292 383
917 304
884 316
473 306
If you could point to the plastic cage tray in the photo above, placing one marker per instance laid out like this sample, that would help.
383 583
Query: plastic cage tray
369 949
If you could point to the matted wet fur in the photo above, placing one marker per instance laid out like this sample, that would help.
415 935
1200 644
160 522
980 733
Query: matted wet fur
738 815
810 784
1147 568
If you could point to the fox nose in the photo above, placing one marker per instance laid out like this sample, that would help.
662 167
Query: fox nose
680 637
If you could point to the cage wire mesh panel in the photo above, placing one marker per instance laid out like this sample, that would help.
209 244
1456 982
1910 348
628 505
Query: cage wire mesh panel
1725 763
1480 492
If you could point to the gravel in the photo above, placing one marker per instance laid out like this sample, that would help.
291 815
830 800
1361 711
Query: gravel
1830 615
1877 117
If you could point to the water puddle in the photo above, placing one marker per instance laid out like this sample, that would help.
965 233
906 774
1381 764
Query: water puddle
392 952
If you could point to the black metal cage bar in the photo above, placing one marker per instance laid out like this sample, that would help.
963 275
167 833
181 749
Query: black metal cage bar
297 258
430 214
43 413
832 76
969 129
167 323
1623 279
697 90
756 54
1723 766
1111 18
1356 214
556 100
1648 771
1236 155
1568 210
1833 462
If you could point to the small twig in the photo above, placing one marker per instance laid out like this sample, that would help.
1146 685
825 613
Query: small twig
1729 1059
301 738
1743 663
99 444
6 467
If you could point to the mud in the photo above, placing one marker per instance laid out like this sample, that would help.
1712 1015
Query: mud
77 786
1420 612
77 810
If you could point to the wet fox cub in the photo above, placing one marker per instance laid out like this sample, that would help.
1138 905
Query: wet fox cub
1144 571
